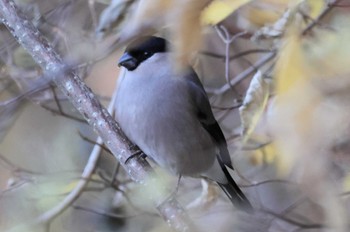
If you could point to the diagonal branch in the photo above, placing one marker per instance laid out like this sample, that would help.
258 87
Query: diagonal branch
88 105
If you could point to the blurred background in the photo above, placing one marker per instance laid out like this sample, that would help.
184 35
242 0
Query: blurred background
277 76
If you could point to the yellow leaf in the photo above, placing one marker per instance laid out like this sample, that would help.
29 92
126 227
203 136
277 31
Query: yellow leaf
295 102
316 7
263 12
289 69
218 10
265 154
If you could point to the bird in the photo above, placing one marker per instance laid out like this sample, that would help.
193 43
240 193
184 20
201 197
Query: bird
167 114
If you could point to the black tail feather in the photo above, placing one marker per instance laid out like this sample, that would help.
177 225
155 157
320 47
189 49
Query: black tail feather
234 193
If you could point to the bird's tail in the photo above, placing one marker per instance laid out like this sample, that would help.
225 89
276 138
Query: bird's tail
234 193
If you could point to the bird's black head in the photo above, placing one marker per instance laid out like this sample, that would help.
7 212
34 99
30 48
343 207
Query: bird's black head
140 50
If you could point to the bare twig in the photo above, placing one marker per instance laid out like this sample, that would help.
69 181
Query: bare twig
63 114
228 40
14 168
314 23
236 56
109 214
94 142
341 5
89 106
308 18
265 59
236 106
292 221
254 184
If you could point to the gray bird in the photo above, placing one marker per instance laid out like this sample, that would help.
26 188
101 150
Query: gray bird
168 116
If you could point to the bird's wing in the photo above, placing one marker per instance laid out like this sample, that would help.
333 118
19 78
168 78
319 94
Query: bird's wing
206 117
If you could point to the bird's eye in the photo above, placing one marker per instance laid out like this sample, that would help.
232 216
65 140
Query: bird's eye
145 53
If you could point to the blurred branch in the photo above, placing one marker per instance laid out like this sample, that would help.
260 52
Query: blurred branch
266 182
314 23
88 105
109 214
228 107
341 5
292 221
38 85
308 18
236 56
14 168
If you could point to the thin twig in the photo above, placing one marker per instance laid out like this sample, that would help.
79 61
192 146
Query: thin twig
58 103
228 40
15 168
63 114
254 184
246 73
314 23
94 142
109 214
341 5
292 221
308 18
227 108
236 56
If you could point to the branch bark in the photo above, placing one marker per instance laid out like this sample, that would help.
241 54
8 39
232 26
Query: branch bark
88 105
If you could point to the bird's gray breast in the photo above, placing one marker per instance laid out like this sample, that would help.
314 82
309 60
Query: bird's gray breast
156 112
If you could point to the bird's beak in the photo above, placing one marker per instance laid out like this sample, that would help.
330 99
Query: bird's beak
128 61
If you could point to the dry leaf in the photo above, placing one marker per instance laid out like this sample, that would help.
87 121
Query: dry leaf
265 154
254 104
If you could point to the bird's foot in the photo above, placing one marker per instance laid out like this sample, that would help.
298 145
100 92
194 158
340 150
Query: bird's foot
137 153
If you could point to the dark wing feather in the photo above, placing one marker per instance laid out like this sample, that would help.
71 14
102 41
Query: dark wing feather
206 117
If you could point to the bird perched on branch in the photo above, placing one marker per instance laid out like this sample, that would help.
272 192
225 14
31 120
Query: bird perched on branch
168 115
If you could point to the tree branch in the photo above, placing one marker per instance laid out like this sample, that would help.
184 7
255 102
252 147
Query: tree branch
88 105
